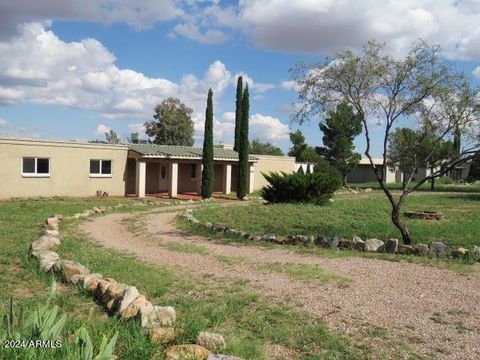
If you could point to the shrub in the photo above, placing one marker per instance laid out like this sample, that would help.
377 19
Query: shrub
317 187
446 180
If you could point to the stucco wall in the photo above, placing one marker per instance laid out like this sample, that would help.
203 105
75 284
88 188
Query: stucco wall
69 169
267 164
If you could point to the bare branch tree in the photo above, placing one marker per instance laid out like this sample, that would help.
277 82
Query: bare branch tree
422 89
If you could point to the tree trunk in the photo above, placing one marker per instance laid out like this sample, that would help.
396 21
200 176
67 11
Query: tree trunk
400 225
345 180
432 183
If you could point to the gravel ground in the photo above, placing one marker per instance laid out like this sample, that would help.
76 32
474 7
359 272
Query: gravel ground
434 312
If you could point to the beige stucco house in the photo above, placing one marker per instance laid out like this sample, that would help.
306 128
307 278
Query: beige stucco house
31 168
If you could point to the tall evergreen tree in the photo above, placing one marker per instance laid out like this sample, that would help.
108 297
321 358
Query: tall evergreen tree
243 168
339 131
238 113
207 158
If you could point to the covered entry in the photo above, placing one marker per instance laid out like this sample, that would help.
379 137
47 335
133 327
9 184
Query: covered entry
159 170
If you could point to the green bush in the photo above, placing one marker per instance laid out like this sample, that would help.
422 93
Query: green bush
447 180
317 187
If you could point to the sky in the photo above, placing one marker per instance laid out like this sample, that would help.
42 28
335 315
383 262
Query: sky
72 70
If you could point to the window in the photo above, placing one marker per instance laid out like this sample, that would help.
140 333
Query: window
33 166
100 168
193 171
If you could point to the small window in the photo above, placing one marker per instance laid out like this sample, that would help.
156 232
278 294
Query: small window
193 171
100 168
33 166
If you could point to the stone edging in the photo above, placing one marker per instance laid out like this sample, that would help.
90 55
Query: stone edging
392 246
118 299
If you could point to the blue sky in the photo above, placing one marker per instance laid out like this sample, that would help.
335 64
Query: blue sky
73 71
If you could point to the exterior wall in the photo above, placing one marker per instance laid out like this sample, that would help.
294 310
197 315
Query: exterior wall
267 164
69 169
185 182
361 174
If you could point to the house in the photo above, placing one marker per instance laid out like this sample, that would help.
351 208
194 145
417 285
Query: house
363 172
31 168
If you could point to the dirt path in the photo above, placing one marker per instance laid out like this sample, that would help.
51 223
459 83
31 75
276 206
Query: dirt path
435 312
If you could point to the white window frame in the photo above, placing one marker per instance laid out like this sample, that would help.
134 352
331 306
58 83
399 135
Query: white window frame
100 175
35 174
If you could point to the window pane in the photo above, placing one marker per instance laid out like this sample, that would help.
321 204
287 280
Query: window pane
28 166
193 170
106 167
94 166
43 166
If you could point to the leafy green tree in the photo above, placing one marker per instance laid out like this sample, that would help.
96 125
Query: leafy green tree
339 130
133 138
298 145
474 171
207 157
172 124
238 113
259 148
243 166
394 89
111 137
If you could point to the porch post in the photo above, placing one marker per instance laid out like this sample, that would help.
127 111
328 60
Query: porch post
251 179
140 178
173 181
227 178
199 178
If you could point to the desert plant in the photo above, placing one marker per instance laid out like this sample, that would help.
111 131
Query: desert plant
316 188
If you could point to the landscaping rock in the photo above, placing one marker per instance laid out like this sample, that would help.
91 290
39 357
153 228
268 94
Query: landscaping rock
345 243
103 209
333 242
301 239
51 223
46 258
66 269
160 316
358 243
268 237
46 242
223 357
144 313
218 227
281 240
460 252
476 252
51 232
162 335
374 245
129 296
190 351
391 246
421 249
320 240
405 249
438 249
113 295
211 341
134 308
97 210
208 225
90 281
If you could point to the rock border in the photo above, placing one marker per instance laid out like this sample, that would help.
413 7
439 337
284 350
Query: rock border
122 300
391 246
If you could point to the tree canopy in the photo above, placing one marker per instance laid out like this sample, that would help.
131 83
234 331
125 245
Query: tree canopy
207 154
243 166
339 130
260 148
238 112
422 87
172 124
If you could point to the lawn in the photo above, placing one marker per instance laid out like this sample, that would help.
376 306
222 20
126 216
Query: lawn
250 323
366 215
439 187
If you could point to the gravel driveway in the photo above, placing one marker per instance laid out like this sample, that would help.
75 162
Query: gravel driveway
432 311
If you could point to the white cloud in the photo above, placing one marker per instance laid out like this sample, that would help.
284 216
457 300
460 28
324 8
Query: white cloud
101 129
476 72
191 31
290 85
267 128
256 87
136 128
3 122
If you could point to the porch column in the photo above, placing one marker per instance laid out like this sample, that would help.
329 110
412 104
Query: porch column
227 178
140 178
199 178
251 179
173 180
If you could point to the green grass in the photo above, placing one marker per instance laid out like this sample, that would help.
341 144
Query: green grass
249 322
367 216
187 248
439 187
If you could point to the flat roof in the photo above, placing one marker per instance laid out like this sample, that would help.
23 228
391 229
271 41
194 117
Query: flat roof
64 143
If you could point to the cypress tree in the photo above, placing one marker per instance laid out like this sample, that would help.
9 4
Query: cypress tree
238 113
207 156
243 168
